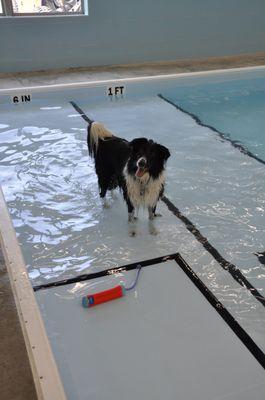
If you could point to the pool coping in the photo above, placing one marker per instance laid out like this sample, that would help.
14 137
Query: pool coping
45 373
96 83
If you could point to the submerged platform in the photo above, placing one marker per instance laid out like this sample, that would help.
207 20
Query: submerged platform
164 340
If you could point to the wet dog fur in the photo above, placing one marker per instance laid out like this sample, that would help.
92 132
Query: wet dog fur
136 167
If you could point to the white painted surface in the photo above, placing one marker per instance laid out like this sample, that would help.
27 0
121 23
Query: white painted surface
161 341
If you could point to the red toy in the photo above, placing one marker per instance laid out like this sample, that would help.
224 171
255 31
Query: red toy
92 300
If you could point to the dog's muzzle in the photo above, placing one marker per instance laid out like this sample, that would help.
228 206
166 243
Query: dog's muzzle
141 167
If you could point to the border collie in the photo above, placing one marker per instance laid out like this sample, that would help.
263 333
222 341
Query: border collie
136 167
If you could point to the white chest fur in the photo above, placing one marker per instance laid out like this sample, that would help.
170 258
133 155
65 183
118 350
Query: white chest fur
144 191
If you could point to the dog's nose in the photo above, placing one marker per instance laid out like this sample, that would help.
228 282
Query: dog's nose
141 162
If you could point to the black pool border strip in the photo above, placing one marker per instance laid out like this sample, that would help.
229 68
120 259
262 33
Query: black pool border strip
105 272
81 112
223 136
222 311
226 265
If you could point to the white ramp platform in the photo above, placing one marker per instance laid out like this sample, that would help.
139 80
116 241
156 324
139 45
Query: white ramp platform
161 341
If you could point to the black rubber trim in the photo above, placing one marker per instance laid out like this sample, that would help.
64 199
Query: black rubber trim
105 272
226 265
223 136
222 311
81 112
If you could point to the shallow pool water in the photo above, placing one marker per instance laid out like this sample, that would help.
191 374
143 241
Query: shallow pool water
51 191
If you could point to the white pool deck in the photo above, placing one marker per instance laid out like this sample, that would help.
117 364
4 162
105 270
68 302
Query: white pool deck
163 340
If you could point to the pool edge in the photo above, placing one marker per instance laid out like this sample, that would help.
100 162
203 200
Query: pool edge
45 373
96 83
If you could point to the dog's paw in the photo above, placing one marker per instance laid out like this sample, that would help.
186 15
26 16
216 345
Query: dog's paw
132 218
132 230
152 230
106 205
153 216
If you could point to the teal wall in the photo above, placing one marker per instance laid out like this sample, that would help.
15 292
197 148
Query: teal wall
127 31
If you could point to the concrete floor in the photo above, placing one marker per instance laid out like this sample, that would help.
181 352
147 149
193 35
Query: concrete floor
16 382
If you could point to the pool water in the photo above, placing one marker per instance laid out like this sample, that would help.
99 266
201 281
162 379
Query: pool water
236 110
51 191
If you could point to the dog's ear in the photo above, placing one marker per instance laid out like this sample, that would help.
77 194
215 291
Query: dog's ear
163 152
138 143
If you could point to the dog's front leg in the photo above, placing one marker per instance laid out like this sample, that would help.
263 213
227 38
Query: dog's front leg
103 186
152 213
131 218
151 224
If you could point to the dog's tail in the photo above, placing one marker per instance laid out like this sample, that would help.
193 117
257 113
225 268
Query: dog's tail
95 132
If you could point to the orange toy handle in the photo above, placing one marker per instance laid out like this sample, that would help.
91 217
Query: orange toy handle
92 300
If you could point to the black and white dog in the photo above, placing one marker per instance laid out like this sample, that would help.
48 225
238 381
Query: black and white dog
136 167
